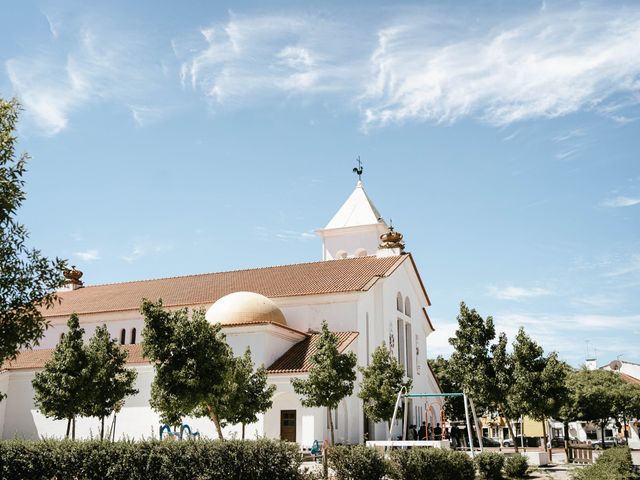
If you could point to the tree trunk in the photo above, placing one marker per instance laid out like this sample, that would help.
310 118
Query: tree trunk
243 431
68 427
602 432
113 428
73 429
331 427
506 419
101 428
544 432
216 422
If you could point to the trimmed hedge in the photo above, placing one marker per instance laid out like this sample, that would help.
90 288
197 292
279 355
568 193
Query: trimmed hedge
432 463
516 466
489 465
150 460
613 464
358 463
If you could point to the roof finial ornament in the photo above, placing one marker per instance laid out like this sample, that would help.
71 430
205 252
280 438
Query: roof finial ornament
359 169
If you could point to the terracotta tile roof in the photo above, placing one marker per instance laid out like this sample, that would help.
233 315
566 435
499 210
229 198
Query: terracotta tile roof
298 358
37 358
629 379
334 276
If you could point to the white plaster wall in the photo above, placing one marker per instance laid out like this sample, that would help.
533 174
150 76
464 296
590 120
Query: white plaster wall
351 240
266 347
136 420
304 313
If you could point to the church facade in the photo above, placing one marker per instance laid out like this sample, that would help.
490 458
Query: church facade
366 287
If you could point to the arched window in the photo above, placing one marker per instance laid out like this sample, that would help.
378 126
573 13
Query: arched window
62 336
123 334
407 307
133 336
399 302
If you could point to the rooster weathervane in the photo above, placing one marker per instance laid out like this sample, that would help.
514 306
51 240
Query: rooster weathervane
359 169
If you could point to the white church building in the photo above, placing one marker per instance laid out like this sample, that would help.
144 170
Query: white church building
366 287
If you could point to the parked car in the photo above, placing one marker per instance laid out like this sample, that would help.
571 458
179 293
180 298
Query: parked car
490 442
608 442
528 442
556 442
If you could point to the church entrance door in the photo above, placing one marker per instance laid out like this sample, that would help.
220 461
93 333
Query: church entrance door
288 425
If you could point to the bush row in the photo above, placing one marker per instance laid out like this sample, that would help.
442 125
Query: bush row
364 463
150 460
612 464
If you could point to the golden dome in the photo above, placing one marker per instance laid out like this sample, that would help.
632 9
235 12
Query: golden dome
244 307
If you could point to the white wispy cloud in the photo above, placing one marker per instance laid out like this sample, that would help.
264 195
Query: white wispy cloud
93 64
142 248
545 65
516 293
90 255
283 234
618 202
264 55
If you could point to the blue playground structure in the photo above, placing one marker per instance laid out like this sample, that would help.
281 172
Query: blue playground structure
178 434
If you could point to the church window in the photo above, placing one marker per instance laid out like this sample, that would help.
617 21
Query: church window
399 302
401 343
367 336
407 307
409 350
123 334
133 336
61 336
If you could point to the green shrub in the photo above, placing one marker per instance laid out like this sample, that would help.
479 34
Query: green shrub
516 466
489 465
612 464
432 463
357 463
150 460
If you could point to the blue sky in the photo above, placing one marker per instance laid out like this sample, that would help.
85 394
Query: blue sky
502 138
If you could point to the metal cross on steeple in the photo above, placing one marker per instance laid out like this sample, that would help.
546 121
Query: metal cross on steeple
359 169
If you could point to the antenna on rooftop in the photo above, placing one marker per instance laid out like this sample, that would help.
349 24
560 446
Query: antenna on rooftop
359 169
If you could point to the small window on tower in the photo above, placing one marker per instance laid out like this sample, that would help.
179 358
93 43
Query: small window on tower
123 334
133 336
399 302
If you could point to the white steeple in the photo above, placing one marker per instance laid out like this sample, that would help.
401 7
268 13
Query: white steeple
354 231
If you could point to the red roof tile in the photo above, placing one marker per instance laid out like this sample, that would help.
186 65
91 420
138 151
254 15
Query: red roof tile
298 358
334 276
37 358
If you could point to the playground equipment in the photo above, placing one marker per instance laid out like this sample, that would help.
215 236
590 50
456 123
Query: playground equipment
178 434
427 443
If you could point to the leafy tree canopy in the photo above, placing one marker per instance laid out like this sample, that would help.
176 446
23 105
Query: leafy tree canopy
381 382
192 362
62 387
332 377
28 280
110 381
454 406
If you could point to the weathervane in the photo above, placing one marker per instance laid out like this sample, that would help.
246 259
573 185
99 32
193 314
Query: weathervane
358 170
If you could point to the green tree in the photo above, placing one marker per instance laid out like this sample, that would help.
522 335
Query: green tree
332 377
62 385
110 381
483 370
593 396
250 394
627 403
28 280
538 383
192 361
454 406
381 382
